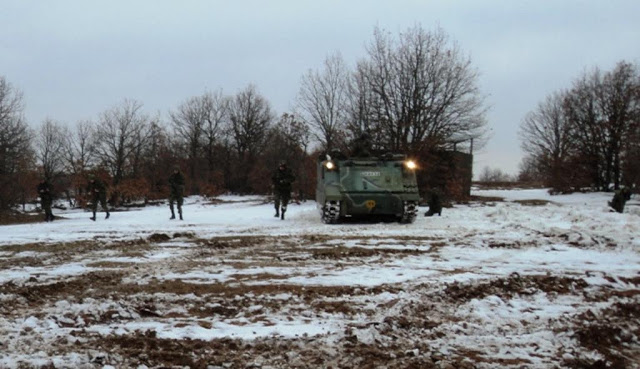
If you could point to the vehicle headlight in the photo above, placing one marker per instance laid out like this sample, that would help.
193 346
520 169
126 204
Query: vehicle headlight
329 165
410 164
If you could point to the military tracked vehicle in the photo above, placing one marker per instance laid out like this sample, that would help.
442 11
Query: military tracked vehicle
367 187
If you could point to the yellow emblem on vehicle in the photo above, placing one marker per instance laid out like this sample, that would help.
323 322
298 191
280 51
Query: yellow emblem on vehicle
370 204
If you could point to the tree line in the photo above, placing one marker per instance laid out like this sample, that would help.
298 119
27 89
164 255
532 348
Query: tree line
586 136
412 93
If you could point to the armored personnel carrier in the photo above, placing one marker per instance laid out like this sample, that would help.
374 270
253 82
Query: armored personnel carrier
367 187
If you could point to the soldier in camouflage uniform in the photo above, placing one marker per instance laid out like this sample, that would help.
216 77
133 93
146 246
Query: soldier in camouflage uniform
282 179
620 198
97 191
46 199
176 192
361 146
435 203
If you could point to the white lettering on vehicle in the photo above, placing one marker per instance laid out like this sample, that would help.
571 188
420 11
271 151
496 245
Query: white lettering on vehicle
370 174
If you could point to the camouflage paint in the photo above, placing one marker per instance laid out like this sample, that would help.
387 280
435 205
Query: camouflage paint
367 186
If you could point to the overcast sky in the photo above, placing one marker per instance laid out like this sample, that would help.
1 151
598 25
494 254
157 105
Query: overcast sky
75 59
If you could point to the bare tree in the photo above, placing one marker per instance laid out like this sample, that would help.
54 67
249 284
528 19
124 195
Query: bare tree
618 102
156 155
50 142
631 144
250 117
138 152
78 155
198 122
422 90
529 170
11 105
582 113
288 139
360 107
78 151
631 163
215 110
493 175
602 108
585 136
15 146
546 136
322 100
120 133
188 123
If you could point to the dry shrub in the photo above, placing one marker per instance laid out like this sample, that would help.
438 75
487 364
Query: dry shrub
214 185
260 179
131 190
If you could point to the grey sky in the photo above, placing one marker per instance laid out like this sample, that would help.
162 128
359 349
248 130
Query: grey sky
75 59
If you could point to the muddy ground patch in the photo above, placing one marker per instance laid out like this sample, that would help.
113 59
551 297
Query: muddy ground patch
167 300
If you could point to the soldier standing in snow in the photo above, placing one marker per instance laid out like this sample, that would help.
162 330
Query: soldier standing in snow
176 191
620 198
97 190
435 204
46 199
282 180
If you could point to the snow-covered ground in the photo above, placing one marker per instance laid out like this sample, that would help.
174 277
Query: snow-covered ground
488 284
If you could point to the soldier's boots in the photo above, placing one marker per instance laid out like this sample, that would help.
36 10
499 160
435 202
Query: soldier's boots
173 215
94 216
284 209
430 213
277 213
180 213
